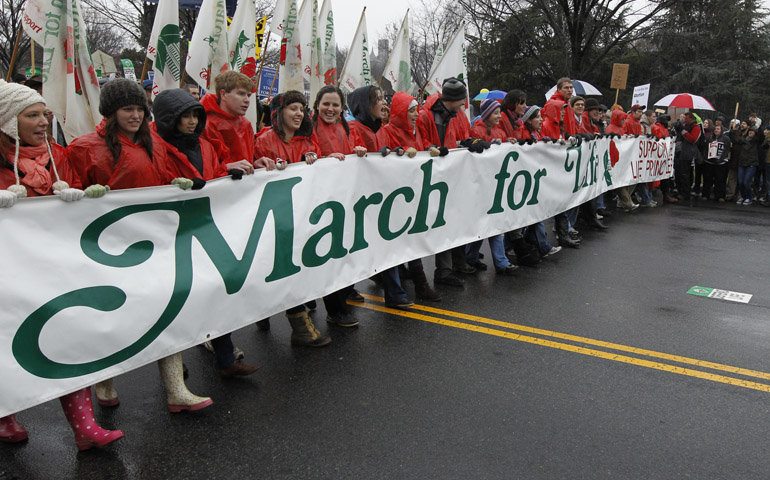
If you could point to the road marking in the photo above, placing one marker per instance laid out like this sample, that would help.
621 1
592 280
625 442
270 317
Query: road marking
578 349
720 294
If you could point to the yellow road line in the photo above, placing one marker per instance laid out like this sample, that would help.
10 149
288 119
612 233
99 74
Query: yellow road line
578 349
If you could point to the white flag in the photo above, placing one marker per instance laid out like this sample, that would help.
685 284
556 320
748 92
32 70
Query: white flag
357 71
452 63
290 77
164 49
328 44
242 38
279 17
311 45
398 69
70 86
208 55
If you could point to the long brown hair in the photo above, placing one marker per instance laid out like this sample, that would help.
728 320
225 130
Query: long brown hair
111 131
323 91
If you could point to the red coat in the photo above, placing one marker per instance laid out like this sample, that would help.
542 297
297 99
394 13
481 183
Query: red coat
480 131
93 162
398 133
616 122
508 127
632 126
271 146
180 164
332 138
659 130
551 112
462 125
426 124
524 133
44 185
372 141
587 126
230 135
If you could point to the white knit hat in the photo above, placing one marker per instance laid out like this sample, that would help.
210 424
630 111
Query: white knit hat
14 98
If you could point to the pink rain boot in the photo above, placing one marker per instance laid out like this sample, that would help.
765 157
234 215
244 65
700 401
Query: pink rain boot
80 413
11 431
179 397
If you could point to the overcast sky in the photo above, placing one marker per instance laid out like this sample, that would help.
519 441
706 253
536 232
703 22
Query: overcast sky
379 13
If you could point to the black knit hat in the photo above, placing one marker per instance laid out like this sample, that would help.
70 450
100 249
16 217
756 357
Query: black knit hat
592 104
453 89
119 93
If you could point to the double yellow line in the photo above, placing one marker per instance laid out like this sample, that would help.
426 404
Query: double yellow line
607 355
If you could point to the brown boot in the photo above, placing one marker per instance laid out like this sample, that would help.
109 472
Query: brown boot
422 288
303 331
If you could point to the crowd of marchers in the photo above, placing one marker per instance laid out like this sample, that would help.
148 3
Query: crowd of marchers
180 138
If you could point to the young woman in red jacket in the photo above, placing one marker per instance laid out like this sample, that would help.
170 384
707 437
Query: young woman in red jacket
488 127
365 105
124 152
31 166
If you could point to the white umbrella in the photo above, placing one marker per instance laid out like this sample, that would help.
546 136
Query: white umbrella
581 88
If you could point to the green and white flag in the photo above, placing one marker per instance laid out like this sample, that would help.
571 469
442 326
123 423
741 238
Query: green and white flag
164 47
242 37
449 62
70 86
291 51
357 71
328 44
398 69
311 46
208 55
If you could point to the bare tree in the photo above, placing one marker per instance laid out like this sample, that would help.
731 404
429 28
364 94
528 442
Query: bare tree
102 35
10 22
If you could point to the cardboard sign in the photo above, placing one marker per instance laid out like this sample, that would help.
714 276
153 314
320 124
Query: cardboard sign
619 76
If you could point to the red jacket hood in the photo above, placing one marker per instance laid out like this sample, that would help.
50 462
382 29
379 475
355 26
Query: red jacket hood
209 102
617 117
399 109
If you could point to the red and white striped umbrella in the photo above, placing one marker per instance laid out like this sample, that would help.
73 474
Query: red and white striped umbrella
685 100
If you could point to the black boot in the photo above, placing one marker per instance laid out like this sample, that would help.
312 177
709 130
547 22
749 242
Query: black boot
526 254
562 231
422 288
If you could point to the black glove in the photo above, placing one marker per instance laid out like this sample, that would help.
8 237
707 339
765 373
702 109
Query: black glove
546 139
530 141
587 137
235 173
443 151
198 183
385 151
475 145
521 141
636 136
597 136
399 151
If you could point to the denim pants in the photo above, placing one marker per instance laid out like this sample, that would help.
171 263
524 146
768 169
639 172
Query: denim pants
536 234
391 283
745 177
497 247
223 350
645 193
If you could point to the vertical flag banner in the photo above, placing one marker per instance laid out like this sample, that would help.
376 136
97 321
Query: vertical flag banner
279 17
311 46
328 44
291 52
357 71
70 86
208 54
164 47
242 39
398 69
452 62
260 36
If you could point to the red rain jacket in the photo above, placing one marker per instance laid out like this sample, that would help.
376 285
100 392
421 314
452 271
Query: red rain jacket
632 126
212 167
331 138
426 125
372 141
398 133
270 145
232 136
616 122
659 130
550 112
587 126
63 166
480 131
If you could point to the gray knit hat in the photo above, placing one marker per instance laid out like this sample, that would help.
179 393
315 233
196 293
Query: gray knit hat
453 89
119 93
14 98
529 113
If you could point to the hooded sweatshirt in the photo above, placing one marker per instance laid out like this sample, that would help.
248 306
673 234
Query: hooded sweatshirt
191 155
232 136
365 126
616 122
399 133
552 127
718 149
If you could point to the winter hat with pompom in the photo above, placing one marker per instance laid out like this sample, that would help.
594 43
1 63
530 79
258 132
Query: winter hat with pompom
488 107
14 99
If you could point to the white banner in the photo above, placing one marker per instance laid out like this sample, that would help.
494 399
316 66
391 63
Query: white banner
103 286
641 95
208 54
357 71
164 47
398 70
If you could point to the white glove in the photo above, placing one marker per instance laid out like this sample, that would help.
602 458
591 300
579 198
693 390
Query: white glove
70 194
183 183
7 199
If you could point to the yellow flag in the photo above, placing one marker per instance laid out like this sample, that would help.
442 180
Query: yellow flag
260 35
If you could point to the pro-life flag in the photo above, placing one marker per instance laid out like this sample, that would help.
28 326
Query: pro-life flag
164 47
357 70
208 54
328 44
70 86
291 51
311 45
242 37
449 62
398 69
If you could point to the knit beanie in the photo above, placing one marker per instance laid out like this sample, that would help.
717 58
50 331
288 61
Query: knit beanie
119 93
14 98
453 89
529 113
488 107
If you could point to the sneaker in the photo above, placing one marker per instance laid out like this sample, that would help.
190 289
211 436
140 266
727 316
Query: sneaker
354 296
747 202
342 319
652 204
552 251
633 207
400 305
507 270
740 201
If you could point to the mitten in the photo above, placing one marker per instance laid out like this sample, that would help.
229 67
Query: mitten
96 190
7 199
411 152
235 173
198 183
183 183
70 194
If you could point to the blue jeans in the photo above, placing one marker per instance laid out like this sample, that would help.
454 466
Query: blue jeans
600 202
536 233
223 350
572 215
745 177
497 247
645 193
391 283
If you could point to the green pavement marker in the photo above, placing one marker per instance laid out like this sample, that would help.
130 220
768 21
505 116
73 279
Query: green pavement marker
720 294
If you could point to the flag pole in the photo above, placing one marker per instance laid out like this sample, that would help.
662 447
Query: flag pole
184 74
13 56
262 63
144 69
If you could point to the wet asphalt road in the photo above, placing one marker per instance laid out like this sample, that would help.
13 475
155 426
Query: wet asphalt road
402 397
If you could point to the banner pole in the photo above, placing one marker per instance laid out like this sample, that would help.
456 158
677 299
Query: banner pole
13 56
617 92
144 69
262 63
